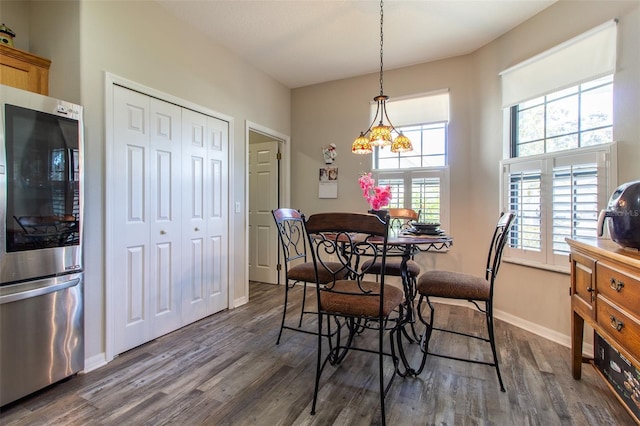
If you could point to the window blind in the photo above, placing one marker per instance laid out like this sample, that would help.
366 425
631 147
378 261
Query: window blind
585 57
429 108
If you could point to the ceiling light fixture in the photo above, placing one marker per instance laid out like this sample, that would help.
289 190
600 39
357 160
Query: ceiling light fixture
381 134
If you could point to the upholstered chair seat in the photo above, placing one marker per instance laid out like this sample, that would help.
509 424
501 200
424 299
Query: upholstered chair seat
454 285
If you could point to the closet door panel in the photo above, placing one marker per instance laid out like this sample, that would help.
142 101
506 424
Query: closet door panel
217 220
165 214
131 216
194 228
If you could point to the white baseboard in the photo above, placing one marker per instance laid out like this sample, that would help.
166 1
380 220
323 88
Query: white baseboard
547 333
95 362
240 301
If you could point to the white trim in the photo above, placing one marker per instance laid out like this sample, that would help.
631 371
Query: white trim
538 330
95 362
285 184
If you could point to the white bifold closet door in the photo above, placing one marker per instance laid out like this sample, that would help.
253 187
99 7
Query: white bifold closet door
204 215
170 233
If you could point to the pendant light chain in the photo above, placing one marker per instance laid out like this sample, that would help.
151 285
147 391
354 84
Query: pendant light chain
381 44
380 135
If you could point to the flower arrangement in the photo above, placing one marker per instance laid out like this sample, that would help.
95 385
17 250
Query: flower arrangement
376 196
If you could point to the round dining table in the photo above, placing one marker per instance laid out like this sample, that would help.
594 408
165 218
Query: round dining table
406 244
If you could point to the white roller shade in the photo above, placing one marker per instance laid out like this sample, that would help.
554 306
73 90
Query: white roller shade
585 57
430 108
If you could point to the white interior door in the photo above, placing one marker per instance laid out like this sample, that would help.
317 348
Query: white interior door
131 238
147 256
205 224
263 197
168 263
165 207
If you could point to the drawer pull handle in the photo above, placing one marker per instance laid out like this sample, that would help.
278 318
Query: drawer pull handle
616 285
616 324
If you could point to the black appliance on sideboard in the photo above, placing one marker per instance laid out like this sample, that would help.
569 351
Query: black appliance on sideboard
41 271
623 212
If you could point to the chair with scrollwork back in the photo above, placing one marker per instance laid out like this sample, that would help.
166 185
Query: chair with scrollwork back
475 289
355 305
298 268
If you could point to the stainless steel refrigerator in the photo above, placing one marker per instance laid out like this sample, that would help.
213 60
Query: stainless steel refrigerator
41 271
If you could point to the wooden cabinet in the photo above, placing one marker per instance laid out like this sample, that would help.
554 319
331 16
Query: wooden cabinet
24 70
605 292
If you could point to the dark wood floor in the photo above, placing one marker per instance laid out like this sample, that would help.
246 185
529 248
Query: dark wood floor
227 370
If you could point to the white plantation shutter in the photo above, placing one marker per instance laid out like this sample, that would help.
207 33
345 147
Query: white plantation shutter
425 190
523 183
575 204
397 190
556 196
426 198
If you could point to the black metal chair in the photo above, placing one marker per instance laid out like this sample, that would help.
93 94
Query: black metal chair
475 289
297 268
353 305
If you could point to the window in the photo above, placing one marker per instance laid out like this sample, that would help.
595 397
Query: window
562 165
579 116
425 191
556 196
418 179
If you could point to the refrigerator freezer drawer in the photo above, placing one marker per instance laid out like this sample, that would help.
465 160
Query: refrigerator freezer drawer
41 334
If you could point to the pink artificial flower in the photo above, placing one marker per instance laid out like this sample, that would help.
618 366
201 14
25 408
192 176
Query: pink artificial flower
376 196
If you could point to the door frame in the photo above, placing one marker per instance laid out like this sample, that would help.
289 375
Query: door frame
110 81
284 177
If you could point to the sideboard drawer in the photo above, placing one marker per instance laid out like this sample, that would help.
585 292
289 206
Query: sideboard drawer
583 283
620 287
619 325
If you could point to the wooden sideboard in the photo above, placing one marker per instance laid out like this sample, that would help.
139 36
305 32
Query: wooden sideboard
24 70
605 292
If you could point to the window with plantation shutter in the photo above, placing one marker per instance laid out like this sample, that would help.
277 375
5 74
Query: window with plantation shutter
419 179
558 115
555 196
425 191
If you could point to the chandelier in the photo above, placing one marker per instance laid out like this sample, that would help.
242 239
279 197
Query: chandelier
380 134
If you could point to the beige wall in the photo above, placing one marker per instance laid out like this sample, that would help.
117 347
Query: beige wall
336 111
141 42
188 66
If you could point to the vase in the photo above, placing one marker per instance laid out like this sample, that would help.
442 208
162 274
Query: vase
382 214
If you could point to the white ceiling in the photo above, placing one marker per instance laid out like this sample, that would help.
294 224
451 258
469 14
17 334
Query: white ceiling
304 42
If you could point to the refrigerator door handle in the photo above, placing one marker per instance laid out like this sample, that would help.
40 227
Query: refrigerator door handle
38 291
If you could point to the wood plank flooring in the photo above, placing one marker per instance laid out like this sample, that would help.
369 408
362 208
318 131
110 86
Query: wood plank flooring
227 370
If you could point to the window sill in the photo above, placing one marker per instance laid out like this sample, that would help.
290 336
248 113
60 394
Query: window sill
552 268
